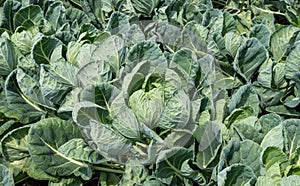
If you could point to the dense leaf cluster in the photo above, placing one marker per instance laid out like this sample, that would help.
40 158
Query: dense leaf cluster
129 92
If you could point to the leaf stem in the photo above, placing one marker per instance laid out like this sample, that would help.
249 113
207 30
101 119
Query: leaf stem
32 104
176 171
108 170
141 144
269 11
112 165
139 151
21 180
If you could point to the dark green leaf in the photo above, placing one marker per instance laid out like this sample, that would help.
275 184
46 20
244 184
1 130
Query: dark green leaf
78 149
18 105
28 17
169 162
146 51
292 63
44 140
245 96
236 175
210 140
118 23
8 56
10 8
43 48
14 144
249 58
280 40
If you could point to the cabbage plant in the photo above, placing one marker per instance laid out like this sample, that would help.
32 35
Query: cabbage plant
129 92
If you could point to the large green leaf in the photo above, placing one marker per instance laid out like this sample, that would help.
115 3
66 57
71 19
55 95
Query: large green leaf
246 152
291 136
44 140
249 58
109 50
14 149
209 139
56 16
245 96
232 42
77 15
273 138
238 115
280 40
85 111
5 176
134 35
185 61
10 8
102 95
286 137
22 109
134 81
124 119
246 129
34 171
118 23
108 142
94 73
28 82
78 149
135 173
269 97
64 72
264 180
243 22
94 10
213 19
8 56
28 17
180 137
146 51
7 126
66 108
266 74
292 63
274 155
236 175
43 48
169 162
229 23
144 7
271 177
193 37
269 121
82 56
283 110
14 144
262 33
279 74
51 86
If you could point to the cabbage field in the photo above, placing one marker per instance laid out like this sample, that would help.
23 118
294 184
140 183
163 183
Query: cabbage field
150 92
